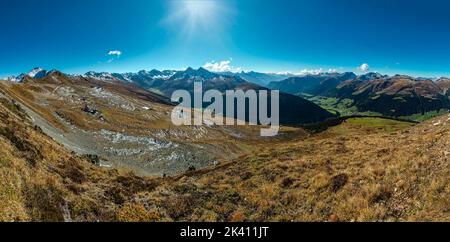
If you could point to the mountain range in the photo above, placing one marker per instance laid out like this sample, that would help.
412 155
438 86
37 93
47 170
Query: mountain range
395 96
294 110
98 148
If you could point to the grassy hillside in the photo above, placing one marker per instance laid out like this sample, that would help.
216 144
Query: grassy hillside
124 128
361 170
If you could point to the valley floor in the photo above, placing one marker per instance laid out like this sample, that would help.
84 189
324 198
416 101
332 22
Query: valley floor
346 107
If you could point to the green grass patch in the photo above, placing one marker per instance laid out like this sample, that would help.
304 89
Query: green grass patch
343 107
429 115
381 124
346 107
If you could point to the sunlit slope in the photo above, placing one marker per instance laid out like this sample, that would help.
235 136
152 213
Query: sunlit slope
361 170
126 126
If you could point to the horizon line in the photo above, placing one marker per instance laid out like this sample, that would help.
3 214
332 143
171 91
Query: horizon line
303 72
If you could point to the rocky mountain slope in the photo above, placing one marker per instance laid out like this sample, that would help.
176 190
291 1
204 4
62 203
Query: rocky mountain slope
339 93
395 96
294 110
390 96
444 84
122 125
320 84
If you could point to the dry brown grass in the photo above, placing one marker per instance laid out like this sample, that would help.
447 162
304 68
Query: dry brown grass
362 170
348 173
41 181
328 177
23 94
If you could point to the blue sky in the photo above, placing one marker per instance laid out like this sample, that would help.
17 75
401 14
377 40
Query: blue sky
390 36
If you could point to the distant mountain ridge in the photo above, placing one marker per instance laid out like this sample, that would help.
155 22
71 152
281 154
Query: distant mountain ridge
262 79
34 73
395 96
312 84
145 76
398 95
294 110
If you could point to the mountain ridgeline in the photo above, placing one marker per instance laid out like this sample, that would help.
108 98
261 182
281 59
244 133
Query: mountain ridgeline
320 84
393 96
293 110
304 99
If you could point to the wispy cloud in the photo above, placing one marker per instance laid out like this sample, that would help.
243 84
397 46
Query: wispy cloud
221 66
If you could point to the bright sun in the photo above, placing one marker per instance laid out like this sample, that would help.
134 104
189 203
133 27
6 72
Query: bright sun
194 16
200 10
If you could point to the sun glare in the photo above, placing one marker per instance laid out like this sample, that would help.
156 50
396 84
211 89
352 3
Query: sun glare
200 10
194 16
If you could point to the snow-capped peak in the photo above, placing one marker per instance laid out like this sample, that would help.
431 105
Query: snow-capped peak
14 79
103 76
37 73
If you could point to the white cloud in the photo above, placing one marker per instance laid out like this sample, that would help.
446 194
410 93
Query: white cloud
364 67
310 72
116 53
332 71
222 66
305 72
283 73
